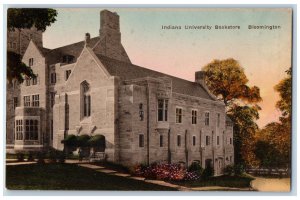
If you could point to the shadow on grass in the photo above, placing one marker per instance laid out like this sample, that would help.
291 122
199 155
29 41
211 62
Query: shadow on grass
242 181
70 177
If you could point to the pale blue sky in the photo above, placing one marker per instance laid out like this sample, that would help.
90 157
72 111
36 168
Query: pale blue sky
264 54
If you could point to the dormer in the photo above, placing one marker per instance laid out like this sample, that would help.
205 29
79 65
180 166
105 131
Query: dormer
67 59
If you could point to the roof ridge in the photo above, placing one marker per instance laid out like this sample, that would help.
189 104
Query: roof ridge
147 69
75 43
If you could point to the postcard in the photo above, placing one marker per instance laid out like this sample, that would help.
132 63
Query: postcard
149 99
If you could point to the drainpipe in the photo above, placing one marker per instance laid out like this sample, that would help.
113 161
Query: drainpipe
169 146
186 149
213 152
200 148
148 124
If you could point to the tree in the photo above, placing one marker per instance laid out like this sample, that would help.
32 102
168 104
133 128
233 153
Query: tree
227 80
270 148
21 18
284 87
273 142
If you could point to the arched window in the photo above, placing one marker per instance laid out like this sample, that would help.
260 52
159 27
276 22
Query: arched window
85 99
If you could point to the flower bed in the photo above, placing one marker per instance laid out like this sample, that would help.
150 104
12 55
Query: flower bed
168 172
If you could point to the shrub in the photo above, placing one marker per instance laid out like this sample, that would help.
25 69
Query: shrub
61 156
196 168
97 142
170 172
40 157
70 141
238 169
52 155
20 157
83 140
207 172
56 156
30 156
229 170
191 176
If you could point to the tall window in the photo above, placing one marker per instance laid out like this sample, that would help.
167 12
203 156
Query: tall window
86 99
207 140
31 129
35 100
19 130
34 80
141 140
27 81
206 118
53 78
52 99
68 72
178 115
218 119
30 62
218 140
162 110
194 116
230 140
26 101
161 141
179 140
194 140
15 101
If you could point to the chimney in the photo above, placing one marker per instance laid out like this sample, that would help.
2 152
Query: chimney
110 26
110 37
87 39
200 77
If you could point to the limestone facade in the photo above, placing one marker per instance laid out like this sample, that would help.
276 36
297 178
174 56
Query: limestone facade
91 87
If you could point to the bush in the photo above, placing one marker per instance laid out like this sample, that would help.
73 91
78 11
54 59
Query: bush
208 172
30 157
196 168
70 141
97 142
170 172
40 157
52 155
56 156
20 157
61 156
229 170
83 140
238 169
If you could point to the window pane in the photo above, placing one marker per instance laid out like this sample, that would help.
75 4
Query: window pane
178 140
141 140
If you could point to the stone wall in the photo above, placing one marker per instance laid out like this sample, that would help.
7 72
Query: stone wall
103 100
147 91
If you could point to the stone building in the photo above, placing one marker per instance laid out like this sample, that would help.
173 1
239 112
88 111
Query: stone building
17 41
91 87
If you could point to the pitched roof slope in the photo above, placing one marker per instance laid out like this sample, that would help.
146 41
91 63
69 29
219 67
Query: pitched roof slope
54 56
127 71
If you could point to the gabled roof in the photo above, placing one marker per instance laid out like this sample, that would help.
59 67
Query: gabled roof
127 71
54 55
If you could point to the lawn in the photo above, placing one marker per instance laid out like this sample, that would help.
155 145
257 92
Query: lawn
242 181
70 177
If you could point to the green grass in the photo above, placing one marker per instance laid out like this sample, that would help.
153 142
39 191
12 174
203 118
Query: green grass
241 181
70 177
114 166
